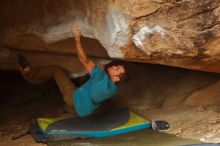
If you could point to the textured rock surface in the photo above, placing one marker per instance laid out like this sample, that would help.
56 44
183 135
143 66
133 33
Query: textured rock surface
182 33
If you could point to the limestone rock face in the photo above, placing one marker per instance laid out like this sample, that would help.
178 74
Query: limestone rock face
182 33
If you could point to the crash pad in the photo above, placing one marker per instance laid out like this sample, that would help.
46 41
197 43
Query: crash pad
99 125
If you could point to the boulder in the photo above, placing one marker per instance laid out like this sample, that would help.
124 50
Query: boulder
181 33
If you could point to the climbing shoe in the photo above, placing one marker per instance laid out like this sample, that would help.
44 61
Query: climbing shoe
160 125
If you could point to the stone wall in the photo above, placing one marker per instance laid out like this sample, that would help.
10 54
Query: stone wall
182 33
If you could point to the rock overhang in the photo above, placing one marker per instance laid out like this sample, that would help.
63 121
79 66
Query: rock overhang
175 33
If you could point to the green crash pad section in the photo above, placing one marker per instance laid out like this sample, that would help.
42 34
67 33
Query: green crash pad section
146 137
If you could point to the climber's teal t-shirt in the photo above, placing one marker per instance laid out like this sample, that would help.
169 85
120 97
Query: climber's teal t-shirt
89 96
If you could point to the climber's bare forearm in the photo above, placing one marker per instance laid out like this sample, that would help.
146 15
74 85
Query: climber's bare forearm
81 51
89 64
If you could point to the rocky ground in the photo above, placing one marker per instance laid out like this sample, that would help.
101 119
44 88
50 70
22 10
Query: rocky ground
201 123
21 103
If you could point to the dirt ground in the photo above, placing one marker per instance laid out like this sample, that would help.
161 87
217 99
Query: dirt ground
21 103
201 123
